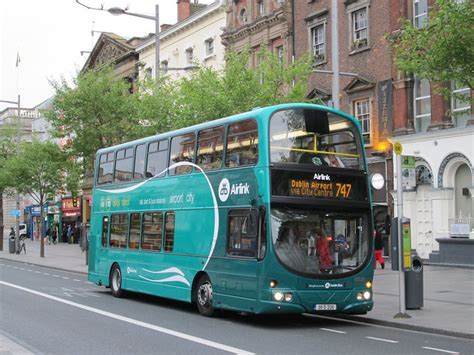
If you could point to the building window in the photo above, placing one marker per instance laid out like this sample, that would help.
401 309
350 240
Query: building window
279 53
460 105
209 43
260 8
318 40
422 104
360 33
243 16
189 56
164 66
362 113
420 13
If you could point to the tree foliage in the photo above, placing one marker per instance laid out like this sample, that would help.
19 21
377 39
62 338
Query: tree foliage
40 170
98 112
208 94
443 49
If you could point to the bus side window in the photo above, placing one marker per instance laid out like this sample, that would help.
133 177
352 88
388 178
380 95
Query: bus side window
134 232
210 148
242 144
118 230
139 165
169 231
182 150
124 165
152 231
241 240
105 231
106 168
157 159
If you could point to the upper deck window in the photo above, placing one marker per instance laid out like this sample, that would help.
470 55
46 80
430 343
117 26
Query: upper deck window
139 167
314 137
182 150
210 148
124 165
242 144
106 168
157 158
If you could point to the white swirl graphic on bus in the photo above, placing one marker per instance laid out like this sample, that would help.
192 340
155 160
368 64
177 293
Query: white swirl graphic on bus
214 199
178 277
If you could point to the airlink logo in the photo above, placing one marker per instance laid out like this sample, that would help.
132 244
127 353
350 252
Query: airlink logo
226 189
325 177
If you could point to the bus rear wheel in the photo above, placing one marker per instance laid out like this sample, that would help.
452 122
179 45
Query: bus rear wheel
116 281
204 297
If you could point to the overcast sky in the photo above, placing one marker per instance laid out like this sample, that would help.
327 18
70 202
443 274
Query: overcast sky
49 36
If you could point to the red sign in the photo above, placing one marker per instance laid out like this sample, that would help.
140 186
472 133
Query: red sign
68 204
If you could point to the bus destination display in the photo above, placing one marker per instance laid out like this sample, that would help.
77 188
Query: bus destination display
314 188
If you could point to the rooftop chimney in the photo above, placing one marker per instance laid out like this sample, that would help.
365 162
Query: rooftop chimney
184 9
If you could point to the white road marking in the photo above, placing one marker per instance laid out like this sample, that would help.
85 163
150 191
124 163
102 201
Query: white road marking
55 275
440 350
381 339
76 280
171 332
65 278
45 273
37 272
29 270
333 330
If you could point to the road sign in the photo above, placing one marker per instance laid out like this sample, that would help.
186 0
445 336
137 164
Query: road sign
397 148
408 171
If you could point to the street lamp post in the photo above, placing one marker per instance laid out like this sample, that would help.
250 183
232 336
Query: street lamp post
118 11
156 18
17 214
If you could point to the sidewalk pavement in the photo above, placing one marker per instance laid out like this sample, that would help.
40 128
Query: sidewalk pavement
448 291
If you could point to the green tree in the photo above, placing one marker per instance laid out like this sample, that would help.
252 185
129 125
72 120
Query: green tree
40 170
97 112
7 150
443 49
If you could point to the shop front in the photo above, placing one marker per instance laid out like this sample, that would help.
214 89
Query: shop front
70 220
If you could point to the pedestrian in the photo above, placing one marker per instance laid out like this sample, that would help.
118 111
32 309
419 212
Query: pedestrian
378 246
69 234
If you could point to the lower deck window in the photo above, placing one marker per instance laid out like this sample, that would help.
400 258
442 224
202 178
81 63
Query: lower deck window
118 230
152 227
242 236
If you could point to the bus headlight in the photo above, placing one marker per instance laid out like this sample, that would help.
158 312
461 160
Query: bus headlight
367 295
278 296
288 296
359 296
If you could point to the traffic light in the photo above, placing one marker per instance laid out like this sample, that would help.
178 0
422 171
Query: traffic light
74 202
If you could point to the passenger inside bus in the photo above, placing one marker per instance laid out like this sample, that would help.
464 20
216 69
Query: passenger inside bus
332 159
310 156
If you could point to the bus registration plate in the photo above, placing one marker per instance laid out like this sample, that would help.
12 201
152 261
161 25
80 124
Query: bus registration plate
325 307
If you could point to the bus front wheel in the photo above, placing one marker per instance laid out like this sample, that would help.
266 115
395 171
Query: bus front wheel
116 281
204 296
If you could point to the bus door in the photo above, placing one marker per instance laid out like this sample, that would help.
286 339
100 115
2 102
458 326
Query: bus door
240 271
102 250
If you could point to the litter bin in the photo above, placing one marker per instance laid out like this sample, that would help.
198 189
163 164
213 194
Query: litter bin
414 284
11 245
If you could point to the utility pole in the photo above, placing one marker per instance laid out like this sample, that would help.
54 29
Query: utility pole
335 54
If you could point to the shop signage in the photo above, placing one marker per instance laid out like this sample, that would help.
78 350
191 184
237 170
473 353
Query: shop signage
68 204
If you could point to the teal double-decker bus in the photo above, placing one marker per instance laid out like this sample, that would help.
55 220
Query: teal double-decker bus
268 211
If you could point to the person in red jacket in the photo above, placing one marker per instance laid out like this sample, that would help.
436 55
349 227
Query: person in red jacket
378 246
323 250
